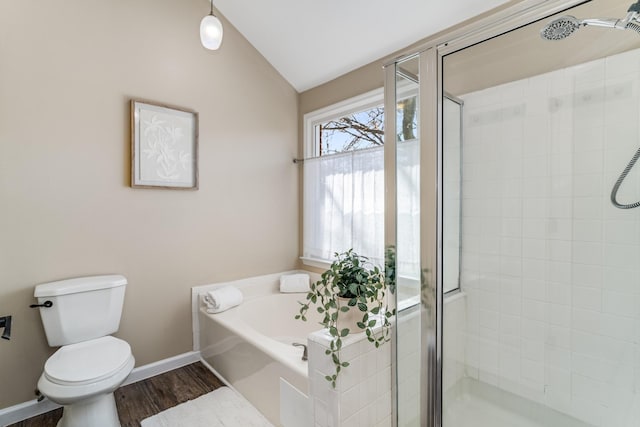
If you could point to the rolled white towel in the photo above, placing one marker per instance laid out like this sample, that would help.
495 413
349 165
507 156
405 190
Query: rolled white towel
298 282
222 298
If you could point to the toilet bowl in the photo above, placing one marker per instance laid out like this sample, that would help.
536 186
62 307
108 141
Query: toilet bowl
83 377
79 315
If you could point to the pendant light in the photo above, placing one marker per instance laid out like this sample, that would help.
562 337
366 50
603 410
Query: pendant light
211 31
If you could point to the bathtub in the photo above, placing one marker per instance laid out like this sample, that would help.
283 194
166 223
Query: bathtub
250 346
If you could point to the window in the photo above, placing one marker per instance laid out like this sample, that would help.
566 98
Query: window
344 180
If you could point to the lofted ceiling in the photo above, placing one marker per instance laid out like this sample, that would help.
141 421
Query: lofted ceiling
313 41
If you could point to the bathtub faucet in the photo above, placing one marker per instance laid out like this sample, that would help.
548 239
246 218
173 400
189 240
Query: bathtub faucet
304 353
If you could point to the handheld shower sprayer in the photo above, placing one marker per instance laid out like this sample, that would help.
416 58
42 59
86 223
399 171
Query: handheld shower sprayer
562 27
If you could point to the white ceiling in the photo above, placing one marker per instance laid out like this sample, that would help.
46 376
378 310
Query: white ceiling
313 41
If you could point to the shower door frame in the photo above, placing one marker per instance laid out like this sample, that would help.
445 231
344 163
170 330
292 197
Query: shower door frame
431 92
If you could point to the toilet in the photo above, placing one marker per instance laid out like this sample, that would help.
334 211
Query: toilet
79 315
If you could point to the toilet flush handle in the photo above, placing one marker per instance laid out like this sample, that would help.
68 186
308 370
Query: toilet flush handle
46 304
5 322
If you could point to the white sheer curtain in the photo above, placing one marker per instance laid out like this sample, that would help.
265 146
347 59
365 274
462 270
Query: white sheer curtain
344 205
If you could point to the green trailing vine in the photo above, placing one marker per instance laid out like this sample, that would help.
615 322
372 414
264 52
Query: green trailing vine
353 280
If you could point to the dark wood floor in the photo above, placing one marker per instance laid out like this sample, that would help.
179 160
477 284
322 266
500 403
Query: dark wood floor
143 399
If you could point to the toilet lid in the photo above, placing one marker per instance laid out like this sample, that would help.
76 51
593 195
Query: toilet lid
87 361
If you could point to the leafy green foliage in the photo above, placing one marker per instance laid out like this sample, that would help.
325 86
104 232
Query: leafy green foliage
354 278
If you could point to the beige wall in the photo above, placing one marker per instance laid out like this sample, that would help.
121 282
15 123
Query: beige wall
67 72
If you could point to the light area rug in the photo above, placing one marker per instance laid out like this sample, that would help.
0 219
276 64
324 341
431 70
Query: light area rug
222 407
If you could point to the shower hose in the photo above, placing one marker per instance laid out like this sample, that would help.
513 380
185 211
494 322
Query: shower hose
614 191
621 178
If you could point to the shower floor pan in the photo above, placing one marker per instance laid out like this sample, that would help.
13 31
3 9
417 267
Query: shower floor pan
477 404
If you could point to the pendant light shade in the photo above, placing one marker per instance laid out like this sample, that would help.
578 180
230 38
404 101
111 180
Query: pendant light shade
211 31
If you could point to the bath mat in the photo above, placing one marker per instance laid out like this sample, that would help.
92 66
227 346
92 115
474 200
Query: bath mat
222 407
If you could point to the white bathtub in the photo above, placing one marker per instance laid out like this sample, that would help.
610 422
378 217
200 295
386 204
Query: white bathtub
250 346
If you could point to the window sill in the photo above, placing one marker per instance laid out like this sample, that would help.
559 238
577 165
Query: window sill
316 262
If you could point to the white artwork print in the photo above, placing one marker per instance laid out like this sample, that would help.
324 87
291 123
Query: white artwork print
165 146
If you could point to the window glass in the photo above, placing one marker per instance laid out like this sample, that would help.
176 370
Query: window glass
350 132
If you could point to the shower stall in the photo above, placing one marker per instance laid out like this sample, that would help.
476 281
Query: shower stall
514 219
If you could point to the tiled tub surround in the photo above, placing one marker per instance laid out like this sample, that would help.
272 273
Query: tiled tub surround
250 348
550 268
362 397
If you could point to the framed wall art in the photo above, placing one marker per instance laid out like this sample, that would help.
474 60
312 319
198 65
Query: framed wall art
164 146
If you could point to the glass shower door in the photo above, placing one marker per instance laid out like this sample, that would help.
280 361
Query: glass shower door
546 328
516 210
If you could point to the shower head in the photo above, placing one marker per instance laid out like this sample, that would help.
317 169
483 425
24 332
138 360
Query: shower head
563 27
560 28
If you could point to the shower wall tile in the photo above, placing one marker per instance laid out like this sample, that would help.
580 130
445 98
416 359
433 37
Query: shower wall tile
621 304
622 328
587 230
557 357
551 270
561 186
559 272
622 232
587 253
561 207
620 256
587 298
587 156
585 410
560 293
623 280
622 65
616 158
588 185
588 208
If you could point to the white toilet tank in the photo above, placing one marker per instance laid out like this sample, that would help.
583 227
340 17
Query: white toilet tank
81 309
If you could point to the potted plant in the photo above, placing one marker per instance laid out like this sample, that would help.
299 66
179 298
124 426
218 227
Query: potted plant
351 285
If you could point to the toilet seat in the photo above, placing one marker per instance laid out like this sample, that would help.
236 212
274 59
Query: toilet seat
87 362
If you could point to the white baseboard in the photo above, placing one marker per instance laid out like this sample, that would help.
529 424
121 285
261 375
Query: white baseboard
32 408
25 410
161 366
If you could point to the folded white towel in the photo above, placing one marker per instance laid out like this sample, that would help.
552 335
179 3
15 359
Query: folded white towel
222 298
294 282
